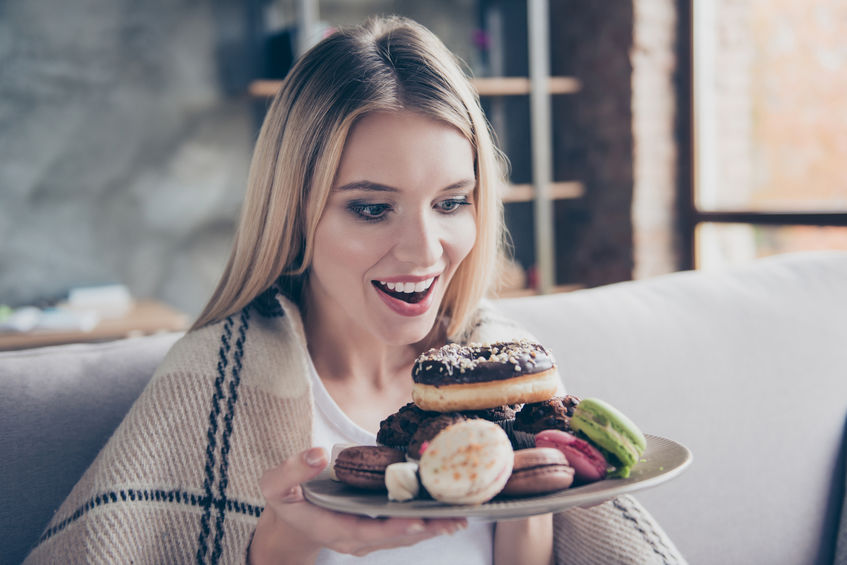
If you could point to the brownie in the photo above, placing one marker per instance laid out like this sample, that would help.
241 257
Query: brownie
397 429
552 414
428 430
497 414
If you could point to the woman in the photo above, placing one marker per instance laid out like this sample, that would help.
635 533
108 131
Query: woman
370 231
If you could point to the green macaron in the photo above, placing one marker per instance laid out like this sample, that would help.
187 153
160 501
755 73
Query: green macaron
610 430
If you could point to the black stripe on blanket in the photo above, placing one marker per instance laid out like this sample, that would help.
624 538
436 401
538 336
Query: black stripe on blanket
223 475
630 512
147 495
221 415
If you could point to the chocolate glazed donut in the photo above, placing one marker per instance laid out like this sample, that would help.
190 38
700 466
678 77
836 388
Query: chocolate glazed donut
480 376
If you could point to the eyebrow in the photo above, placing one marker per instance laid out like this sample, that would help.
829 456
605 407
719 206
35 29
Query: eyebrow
377 187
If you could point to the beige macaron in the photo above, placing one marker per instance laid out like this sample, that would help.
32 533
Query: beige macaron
467 463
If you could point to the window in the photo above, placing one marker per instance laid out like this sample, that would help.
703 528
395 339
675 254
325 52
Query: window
769 131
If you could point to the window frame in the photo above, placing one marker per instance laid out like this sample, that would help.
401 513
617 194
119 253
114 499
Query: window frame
690 215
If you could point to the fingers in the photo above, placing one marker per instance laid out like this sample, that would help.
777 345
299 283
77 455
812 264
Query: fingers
282 483
370 529
311 525
370 534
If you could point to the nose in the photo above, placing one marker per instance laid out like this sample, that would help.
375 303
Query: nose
418 240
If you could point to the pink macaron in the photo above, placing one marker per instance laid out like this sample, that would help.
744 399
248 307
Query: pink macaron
588 463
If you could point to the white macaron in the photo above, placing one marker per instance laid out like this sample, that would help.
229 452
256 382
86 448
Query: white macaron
467 463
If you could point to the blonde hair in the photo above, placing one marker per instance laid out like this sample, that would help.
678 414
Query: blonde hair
388 64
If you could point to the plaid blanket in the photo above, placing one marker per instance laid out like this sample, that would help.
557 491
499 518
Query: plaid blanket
178 480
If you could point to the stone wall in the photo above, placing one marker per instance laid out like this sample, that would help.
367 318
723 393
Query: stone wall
121 158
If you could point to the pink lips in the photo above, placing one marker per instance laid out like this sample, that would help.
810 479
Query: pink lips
406 308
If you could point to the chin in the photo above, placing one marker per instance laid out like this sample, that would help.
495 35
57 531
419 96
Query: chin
414 332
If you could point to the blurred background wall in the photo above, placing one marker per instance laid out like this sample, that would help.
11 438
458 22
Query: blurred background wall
126 130
124 145
125 137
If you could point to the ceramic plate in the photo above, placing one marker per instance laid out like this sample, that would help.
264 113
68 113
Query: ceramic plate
663 460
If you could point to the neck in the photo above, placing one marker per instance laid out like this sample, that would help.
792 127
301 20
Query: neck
349 355
368 379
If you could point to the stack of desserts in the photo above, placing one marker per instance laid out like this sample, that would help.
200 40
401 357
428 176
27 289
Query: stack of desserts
486 421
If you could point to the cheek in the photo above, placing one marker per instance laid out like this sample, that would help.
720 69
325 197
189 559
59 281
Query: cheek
461 239
341 249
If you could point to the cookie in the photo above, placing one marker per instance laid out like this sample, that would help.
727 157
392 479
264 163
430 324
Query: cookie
363 466
610 430
467 463
538 470
427 432
498 414
552 414
588 462
397 429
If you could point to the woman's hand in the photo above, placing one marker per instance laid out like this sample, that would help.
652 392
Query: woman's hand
292 530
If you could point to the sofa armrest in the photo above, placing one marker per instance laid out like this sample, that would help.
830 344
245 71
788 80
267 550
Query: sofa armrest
58 406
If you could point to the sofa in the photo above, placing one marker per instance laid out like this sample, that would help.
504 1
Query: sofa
747 367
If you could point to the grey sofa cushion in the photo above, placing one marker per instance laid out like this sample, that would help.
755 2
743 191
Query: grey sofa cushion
58 406
748 368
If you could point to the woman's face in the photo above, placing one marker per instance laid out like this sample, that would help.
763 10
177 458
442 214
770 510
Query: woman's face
398 222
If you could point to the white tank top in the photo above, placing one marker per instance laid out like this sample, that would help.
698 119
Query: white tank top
471 546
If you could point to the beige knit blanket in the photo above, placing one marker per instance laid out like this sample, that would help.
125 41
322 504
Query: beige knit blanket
178 481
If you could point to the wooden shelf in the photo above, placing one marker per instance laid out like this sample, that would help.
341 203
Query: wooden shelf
516 86
487 87
264 88
558 191
501 86
145 317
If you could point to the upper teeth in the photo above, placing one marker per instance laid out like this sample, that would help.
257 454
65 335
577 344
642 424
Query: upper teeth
408 286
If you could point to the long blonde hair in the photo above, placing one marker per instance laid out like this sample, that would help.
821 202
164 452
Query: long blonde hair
388 64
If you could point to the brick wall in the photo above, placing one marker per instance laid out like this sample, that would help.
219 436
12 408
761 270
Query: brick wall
618 135
593 138
654 114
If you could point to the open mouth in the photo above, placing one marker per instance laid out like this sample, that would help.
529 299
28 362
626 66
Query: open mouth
409 292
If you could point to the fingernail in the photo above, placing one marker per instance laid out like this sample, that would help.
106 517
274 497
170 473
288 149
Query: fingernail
415 528
293 495
314 457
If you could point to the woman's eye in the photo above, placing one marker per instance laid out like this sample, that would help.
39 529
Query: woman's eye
453 204
369 212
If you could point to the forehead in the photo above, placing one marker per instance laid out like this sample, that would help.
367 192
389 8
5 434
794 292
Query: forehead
399 148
